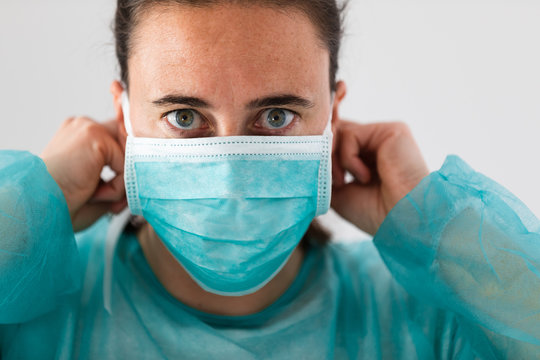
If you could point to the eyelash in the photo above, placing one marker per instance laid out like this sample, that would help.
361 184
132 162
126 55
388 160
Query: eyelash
294 120
164 117
258 116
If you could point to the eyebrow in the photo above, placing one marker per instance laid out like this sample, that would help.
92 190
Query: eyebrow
280 100
270 101
181 100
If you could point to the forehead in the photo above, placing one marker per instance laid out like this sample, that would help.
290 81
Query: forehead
227 47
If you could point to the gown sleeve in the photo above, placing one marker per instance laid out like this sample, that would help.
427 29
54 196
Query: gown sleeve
464 243
38 254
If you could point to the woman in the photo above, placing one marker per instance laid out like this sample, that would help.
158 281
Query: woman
222 138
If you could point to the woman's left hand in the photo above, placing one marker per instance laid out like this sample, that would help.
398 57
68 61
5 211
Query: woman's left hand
386 163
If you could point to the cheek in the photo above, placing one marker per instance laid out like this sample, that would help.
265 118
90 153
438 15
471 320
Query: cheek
141 126
145 124
309 128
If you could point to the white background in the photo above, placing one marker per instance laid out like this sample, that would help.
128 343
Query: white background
464 74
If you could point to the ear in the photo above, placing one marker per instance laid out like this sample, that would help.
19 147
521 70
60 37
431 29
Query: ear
341 91
116 90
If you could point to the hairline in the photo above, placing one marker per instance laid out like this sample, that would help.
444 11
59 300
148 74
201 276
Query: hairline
270 4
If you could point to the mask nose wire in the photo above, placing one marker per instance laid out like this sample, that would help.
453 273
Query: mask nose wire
119 222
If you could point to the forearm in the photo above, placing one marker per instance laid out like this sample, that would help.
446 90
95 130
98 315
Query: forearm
38 255
466 244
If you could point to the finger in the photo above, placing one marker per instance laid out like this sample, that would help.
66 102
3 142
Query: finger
118 206
113 152
114 156
113 190
89 214
349 153
112 127
370 137
338 174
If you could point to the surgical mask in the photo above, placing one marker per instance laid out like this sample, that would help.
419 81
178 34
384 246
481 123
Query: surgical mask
231 210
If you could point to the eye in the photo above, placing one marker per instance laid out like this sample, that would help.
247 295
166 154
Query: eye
276 119
185 119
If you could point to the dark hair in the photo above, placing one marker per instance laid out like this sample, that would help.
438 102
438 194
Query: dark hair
326 16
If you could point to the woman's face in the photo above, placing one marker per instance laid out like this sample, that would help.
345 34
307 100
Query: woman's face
227 70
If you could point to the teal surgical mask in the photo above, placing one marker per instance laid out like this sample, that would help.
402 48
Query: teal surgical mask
231 210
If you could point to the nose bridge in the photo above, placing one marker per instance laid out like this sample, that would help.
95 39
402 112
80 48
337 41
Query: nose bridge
230 118
230 124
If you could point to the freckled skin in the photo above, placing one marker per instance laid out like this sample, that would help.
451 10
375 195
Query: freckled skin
228 55
242 54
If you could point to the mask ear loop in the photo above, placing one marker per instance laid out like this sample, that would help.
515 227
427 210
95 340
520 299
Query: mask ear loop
116 225
118 222
325 168
328 128
125 110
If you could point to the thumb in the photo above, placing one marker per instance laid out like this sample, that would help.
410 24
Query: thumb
113 190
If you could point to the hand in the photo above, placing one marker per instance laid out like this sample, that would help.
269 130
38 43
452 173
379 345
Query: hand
386 163
75 158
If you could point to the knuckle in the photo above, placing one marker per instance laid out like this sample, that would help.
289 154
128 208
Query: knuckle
79 120
89 128
399 128
68 123
69 120
402 126
79 125
98 147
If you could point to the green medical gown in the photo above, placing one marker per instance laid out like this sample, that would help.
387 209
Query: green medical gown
453 273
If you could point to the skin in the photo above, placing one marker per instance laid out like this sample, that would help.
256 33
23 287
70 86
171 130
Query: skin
178 52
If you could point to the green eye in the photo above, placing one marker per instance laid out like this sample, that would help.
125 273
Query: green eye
277 118
183 119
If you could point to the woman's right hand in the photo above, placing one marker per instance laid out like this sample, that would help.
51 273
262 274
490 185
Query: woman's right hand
75 158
